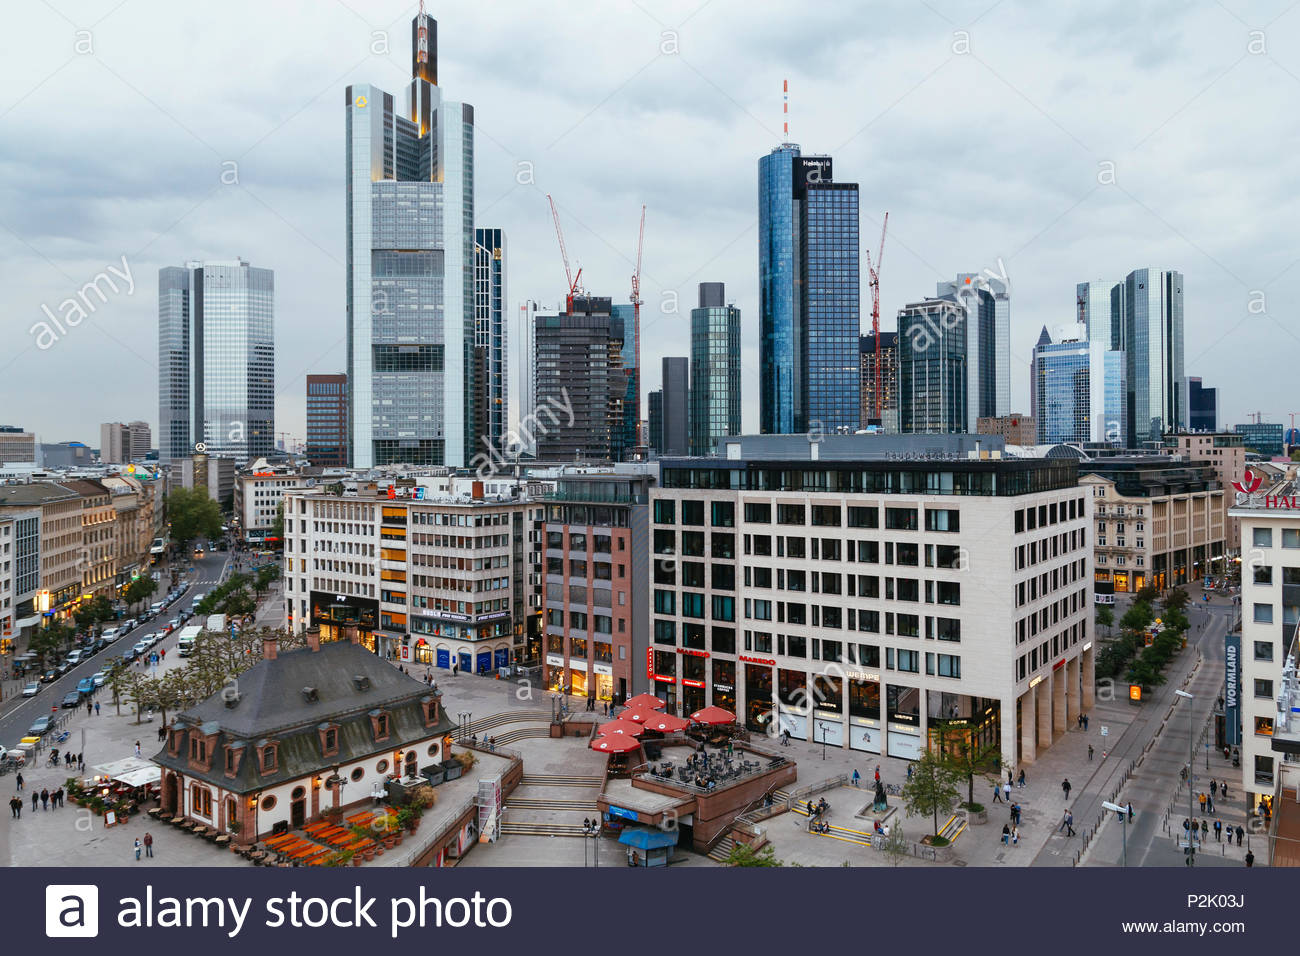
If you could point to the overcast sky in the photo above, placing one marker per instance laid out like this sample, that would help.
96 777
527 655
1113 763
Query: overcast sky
987 130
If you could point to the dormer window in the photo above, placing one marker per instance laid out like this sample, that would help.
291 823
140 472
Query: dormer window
329 739
267 756
380 724
198 749
430 706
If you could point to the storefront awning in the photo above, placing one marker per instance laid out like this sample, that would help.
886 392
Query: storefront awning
642 839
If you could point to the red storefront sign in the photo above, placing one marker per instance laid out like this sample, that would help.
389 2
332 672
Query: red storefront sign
757 660
683 650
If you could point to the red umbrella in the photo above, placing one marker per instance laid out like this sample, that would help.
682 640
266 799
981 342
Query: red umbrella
645 702
617 744
640 715
667 723
713 716
622 727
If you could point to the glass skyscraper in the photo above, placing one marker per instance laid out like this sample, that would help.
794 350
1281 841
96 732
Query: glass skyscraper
715 369
491 398
1153 343
411 270
809 316
987 302
1079 391
932 387
216 360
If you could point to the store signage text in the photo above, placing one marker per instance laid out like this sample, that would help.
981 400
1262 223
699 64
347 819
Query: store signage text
758 660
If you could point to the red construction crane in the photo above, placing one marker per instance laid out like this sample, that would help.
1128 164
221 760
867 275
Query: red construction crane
569 277
636 317
873 270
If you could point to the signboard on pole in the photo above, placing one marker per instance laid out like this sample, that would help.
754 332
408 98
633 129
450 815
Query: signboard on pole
1232 689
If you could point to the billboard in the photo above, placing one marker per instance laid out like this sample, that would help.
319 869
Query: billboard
1232 689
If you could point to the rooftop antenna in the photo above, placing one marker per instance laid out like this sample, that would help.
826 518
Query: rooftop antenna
785 109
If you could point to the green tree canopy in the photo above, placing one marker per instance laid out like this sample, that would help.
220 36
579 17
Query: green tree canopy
192 514
932 789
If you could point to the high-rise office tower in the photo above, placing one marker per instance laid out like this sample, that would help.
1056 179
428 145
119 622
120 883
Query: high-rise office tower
1079 390
579 382
888 421
1153 345
1043 339
327 420
1098 305
1202 405
675 409
715 369
932 390
141 436
114 443
808 279
655 421
522 390
216 360
631 402
491 354
411 269
987 302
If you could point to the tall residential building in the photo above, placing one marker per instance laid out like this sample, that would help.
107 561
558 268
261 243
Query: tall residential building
141 440
843 590
932 391
1202 405
888 420
809 319
1152 340
327 420
579 383
675 410
216 360
491 372
987 302
410 268
715 369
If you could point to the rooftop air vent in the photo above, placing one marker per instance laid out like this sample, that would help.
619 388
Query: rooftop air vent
309 695
361 682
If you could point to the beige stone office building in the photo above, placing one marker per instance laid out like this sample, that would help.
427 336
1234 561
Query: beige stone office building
1226 453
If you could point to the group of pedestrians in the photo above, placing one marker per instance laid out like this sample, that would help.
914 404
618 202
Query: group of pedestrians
46 799
1192 828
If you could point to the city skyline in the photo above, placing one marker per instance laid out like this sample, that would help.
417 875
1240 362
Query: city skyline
282 174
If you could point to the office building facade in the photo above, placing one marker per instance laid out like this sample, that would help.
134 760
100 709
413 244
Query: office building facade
411 316
491 392
888 418
932 392
216 360
1153 346
987 303
809 313
579 383
1262 438
675 406
327 420
715 369
1202 405
847 599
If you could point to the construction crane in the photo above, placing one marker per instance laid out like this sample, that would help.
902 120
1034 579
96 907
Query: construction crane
569 277
873 270
636 319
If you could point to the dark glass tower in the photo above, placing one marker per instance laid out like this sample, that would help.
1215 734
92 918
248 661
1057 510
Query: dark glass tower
809 318
715 369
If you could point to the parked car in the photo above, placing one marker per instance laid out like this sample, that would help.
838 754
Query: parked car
40 726
71 700
98 678
86 685
75 658
63 668
32 688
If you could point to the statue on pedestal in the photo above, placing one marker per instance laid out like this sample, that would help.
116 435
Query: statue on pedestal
881 802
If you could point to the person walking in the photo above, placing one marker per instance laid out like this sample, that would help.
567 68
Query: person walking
1240 833
1214 786
137 748
1085 722
997 793
1069 822
856 777
1065 786
1209 804
1250 858
20 782
16 807
81 761
1065 820
1218 831
148 844
1021 780
45 798
1223 790
1201 797
909 774
1089 753
90 708
1205 830
1006 834
138 846
96 708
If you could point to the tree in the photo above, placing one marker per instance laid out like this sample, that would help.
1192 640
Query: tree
1147 594
932 789
968 759
895 845
742 854
267 574
46 642
1176 599
139 590
1105 618
192 514
237 604
1138 617
95 611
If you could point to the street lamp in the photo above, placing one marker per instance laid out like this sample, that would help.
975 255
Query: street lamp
822 725
1191 775
1123 819
464 717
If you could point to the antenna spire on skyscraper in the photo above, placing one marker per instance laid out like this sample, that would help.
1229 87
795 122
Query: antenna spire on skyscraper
785 108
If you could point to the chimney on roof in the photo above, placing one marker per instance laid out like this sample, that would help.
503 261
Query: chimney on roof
313 638
270 647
